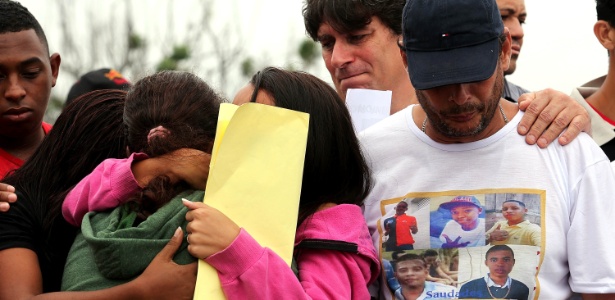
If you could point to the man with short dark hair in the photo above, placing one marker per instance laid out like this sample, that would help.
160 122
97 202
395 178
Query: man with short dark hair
513 16
500 260
598 95
27 74
515 229
462 140
359 40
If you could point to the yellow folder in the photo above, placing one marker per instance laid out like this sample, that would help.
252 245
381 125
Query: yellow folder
255 179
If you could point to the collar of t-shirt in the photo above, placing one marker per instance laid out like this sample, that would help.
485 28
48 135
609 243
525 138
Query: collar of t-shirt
490 282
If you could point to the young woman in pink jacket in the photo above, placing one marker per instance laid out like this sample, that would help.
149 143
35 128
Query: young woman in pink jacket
334 255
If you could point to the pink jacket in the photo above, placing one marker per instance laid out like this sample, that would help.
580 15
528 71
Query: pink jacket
108 186
246 269
249 271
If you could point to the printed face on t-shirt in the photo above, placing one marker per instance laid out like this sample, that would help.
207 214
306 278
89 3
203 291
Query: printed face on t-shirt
401 208
500 263
513 212
466 216
411 273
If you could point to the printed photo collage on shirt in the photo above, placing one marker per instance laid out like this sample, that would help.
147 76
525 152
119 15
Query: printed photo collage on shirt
463 244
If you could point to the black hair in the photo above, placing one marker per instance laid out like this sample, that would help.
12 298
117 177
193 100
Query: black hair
605 10
409 256
187 108
86 133
15 18
515 201
395 255
351 15
334 169
430 252
500 248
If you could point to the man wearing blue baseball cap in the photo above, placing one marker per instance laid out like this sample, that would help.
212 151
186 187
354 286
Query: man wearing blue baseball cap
461 140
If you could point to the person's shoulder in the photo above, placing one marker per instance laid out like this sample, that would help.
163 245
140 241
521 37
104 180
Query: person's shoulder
518 283
583 146
531 225
24 201
518 89
389 125
473 282
20 224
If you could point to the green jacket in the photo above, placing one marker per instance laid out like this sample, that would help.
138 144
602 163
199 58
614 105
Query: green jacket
111 251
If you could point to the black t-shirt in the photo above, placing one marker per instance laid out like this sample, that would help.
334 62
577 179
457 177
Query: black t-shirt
609 149
22 227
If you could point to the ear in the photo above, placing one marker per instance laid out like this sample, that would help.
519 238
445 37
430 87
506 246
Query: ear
605 34
400 43
54 61
506 51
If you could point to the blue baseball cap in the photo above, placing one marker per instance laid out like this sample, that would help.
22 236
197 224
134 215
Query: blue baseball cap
451 41
461 200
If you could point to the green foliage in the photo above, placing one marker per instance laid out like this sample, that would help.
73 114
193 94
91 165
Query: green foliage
171 62
308 51
135 41
167 63
180 52
54 108
247 67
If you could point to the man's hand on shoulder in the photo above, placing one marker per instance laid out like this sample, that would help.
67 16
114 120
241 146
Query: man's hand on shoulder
548 113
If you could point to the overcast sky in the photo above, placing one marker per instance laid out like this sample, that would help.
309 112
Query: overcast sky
559 51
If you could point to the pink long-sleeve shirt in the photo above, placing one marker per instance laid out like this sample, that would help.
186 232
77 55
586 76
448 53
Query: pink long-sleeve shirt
108 186
250 271
246 269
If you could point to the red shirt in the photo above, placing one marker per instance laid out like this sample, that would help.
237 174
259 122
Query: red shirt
8 162
403 231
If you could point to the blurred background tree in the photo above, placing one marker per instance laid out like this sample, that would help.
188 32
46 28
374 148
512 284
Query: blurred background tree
138 37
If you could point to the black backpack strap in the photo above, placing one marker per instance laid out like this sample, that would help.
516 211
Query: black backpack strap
319 244
328 245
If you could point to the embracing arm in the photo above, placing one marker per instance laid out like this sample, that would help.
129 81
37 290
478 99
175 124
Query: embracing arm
116 180
548 113
20 278
247 270
110 183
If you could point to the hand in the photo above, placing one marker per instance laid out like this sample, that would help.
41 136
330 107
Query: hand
548 113
209 230
498 235
453 244
164 279
7 196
